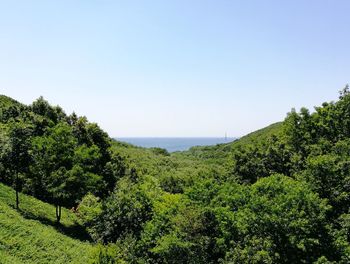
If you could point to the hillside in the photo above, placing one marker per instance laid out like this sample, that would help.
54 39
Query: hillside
278 195
31 234
181 167
174 171
6 102
221 153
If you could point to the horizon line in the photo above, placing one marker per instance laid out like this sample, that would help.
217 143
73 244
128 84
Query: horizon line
175 137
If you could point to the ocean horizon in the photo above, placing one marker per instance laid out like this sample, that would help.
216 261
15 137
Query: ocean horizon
173 144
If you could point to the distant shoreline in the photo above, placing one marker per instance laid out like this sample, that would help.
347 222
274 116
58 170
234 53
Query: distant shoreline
173 144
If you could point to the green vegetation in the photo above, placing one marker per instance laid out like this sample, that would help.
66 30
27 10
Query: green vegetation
220 153
30 235
55 157
278 195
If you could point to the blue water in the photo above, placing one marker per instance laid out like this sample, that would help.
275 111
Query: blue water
174 144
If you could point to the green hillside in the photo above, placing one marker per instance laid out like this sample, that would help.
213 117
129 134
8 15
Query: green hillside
221 153
6 102
278 195
174 171
31 235
181 167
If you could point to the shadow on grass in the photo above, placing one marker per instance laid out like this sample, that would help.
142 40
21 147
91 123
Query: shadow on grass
75 231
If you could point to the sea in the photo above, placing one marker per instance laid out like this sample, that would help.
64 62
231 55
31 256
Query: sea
173 144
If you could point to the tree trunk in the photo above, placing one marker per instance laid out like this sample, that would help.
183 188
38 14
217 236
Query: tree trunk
58 213
17 199
16 188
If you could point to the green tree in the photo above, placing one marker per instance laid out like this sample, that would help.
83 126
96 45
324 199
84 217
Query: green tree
329 176
51 178
277 220
18 158
126 210
5 149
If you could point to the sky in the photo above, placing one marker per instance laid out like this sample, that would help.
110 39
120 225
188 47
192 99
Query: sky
184 68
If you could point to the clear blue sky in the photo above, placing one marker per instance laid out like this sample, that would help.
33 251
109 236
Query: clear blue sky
175 68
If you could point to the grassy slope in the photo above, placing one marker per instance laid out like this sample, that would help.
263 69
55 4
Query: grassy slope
31 235
221 153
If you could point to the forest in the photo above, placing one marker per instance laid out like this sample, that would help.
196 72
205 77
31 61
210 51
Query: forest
278 195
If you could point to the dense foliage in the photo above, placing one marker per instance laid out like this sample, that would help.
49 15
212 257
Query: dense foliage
55 157
278 195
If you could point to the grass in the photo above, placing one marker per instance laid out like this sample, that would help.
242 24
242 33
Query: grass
31 235
220 154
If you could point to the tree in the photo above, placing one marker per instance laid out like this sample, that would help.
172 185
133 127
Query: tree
344 92
63 171
276 220
5 149
328 175
18 158
125 211
52 176
54 113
